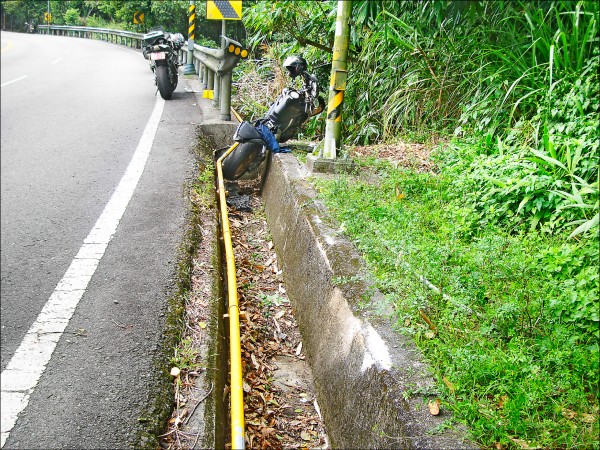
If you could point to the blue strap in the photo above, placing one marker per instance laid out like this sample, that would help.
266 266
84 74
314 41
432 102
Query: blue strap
269 139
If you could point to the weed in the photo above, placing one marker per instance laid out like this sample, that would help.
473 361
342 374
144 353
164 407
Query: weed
516 314
186 355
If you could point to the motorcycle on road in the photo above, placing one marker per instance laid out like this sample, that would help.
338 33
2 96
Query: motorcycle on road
161 49
282 121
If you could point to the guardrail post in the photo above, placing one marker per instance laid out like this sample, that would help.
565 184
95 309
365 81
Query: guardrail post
226 96
211 81
217 91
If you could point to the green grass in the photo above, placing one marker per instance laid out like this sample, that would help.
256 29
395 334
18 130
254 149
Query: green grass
516 317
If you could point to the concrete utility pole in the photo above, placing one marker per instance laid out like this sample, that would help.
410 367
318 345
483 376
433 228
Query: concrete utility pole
339 74
189 68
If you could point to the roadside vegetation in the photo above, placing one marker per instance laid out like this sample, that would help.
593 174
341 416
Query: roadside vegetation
172 15
497 244
494 240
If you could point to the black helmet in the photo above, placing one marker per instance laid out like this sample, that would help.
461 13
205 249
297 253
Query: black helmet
295 65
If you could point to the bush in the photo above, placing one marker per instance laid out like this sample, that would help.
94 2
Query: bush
72 17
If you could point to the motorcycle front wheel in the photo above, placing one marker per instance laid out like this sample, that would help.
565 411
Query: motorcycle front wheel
237 162
163 82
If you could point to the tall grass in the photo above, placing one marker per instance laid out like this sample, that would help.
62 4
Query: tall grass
518 79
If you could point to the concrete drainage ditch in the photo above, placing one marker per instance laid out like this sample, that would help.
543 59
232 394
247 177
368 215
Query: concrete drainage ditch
366 378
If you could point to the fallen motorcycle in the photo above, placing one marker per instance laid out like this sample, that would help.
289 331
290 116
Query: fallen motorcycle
161 49
281 122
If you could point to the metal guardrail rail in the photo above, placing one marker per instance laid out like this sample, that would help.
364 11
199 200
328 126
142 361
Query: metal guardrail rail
213 66
127 38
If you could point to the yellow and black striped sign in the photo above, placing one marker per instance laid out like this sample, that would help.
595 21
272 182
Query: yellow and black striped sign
192 22
224 9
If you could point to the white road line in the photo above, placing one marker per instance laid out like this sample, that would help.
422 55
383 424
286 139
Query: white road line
56 60
21 375
13 81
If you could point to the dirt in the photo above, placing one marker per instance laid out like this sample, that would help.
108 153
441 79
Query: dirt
413 156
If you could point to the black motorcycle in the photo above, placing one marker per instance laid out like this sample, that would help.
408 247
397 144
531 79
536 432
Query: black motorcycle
161 49
282 121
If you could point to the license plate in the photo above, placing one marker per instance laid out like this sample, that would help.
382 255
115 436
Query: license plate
157 55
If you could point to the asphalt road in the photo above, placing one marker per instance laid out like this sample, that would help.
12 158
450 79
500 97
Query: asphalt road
74 113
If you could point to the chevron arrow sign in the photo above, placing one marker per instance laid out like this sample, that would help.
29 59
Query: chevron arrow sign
138 17
224 9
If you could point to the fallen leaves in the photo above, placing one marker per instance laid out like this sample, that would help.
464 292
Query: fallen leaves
277 415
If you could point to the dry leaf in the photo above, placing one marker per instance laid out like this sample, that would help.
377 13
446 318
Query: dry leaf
434 407
588 418
399 195
304 435
502 401
448 384
523 444
299 349
202 325
429 334
568 414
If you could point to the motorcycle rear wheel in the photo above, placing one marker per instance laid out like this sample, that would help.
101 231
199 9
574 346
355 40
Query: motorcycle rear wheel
163 82
238 161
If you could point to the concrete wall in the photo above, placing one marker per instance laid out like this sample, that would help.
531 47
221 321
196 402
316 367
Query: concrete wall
367 376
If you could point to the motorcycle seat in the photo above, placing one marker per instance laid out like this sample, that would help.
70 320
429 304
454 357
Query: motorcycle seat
245 132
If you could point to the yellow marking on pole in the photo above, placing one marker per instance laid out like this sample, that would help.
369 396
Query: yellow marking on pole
192 22
208 94
335 101
224 9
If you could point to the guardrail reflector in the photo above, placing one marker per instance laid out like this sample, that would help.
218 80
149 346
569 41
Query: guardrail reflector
208 94
241 52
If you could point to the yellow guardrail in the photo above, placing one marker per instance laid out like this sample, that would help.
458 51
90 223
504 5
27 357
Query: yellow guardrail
235 351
